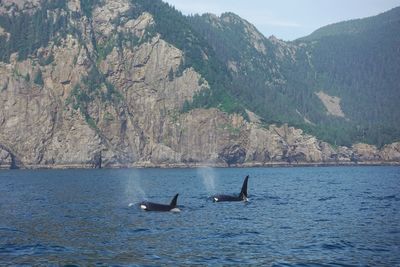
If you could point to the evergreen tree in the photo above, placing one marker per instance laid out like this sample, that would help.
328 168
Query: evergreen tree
38 78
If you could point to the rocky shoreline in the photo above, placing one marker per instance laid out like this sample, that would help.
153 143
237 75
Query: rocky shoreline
213 144
207 165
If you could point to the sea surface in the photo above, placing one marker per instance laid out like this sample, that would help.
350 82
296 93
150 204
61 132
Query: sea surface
325 216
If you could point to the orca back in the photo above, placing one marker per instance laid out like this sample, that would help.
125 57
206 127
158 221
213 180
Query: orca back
151 206
222 198
241 197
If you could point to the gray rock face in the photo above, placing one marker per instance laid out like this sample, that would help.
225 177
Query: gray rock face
5 159
141 124
391 152
365 152
233 154
8 159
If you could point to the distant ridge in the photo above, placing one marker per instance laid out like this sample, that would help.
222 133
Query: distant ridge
355 26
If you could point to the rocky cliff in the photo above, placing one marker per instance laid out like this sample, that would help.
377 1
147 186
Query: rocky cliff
92 97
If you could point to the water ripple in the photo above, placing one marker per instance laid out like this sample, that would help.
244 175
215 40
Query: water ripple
297 217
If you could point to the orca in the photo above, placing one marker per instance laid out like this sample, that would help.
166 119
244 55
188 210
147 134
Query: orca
241 197
150 206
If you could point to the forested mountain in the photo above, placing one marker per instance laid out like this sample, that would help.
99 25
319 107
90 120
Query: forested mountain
357 26
359 61
356 62
137 83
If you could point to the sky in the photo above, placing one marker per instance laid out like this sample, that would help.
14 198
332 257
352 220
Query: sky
288 19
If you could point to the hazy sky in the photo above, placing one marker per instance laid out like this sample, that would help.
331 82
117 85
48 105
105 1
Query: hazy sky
288 19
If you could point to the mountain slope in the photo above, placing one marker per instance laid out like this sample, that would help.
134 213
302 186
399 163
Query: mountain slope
260 68
135 83
356 26
359 61
355 62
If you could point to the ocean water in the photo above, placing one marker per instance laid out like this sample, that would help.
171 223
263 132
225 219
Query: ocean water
328 216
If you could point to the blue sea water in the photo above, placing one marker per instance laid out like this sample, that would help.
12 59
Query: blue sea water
328 216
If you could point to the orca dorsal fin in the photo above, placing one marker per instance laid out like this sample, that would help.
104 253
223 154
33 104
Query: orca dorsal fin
174 200
243 192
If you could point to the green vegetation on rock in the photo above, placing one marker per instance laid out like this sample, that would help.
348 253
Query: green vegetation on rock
29 32
38 78
357 61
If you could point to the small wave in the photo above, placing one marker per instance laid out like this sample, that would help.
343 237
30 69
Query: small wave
312 264
374 249
202 197
341 245
332 246
282 203
240 219
263 197
155 257
300 264
229 235
321 220
304 247
253 232
36 249
39 199
326 198
140 230
272 197
12 230
380 198
245 243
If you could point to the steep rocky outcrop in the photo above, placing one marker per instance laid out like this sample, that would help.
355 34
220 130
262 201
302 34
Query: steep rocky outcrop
39 120
96 99
5 159
391 152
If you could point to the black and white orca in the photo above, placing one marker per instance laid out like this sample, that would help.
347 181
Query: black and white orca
150 206
241 197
